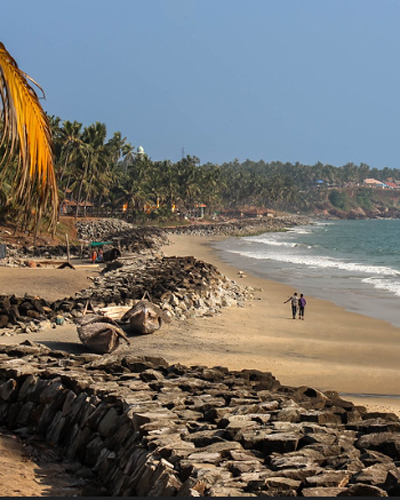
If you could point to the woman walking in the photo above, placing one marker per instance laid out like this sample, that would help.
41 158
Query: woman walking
302 305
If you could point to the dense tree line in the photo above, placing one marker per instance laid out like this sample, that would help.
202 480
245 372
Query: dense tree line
105 176
110 175
44 160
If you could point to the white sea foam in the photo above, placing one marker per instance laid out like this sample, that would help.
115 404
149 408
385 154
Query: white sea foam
315 261
301 230
344 261
382 284
272 242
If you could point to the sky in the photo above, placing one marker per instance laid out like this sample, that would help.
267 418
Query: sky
276 80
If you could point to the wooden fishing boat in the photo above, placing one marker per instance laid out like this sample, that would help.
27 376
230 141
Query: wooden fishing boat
100 334
145 318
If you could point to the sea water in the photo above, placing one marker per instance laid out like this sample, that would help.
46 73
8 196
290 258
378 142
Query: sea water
355 264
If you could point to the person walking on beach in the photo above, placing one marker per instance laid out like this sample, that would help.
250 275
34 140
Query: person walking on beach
294 303
302 305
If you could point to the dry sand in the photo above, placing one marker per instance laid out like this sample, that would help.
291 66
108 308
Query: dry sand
332 349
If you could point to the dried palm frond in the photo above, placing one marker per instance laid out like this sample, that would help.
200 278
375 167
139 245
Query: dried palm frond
26 130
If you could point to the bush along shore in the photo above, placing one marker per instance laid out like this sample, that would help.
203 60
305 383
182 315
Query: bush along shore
147 428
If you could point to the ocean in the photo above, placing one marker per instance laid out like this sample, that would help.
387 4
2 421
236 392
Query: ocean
355 264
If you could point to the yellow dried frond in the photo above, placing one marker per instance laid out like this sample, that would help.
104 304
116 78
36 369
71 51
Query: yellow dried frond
26 130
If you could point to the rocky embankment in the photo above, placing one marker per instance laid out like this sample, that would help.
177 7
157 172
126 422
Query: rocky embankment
146 428
242 227
183 287
126 237
130 238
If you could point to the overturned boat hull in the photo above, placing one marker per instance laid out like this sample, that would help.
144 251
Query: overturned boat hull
100 334
144 318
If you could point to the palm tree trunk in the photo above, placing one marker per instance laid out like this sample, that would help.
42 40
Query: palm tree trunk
80 191
87 195
37 226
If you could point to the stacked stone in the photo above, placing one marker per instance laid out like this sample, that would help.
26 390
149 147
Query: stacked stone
182 286
243 227
146 428
24 314
101 229
128 237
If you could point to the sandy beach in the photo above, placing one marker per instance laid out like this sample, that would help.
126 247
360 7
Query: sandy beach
332 349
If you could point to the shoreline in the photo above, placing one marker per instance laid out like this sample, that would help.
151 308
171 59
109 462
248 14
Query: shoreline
333 349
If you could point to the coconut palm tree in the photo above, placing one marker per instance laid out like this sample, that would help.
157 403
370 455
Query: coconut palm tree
94 155
70 141
25 131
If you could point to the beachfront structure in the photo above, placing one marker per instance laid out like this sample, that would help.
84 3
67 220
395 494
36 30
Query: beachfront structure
392 185
198 210
370 182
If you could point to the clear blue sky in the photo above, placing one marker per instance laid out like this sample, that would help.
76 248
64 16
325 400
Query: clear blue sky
288 80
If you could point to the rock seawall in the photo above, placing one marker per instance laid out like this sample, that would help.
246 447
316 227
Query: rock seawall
183 287
242 227
147 428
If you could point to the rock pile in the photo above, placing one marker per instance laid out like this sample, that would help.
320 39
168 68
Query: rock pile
128 237
102 229
30 313
146 428
184 287
243 227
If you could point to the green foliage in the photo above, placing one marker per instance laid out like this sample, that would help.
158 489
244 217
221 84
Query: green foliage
363 199
107 175
339 199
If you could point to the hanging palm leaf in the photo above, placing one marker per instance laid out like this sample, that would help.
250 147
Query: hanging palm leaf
26 131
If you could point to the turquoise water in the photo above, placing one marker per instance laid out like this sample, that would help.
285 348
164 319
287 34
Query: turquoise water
355 264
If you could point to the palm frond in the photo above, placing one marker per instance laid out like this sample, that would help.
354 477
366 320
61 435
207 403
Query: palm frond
26 130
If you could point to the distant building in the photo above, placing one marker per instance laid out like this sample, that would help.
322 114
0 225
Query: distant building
392 185
198 210
370 182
